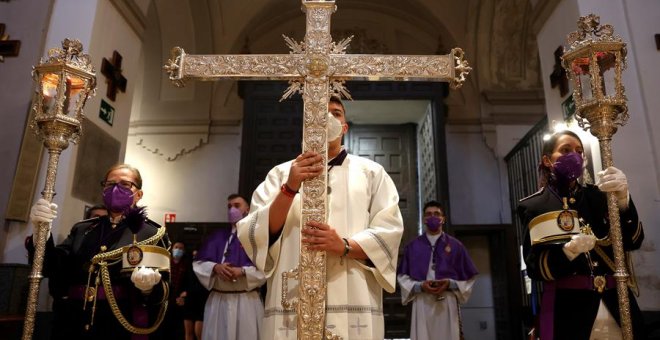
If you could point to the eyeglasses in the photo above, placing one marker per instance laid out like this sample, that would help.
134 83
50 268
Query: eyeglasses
125 184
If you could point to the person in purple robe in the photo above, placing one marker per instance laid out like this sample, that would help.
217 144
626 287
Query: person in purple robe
437 275
233 309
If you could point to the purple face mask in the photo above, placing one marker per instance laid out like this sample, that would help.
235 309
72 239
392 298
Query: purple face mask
433 223
568 167
118 198
234 215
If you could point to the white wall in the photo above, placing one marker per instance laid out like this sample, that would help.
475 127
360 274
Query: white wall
474 181
552 35
196 185
635 145
479 312
643 18
25 21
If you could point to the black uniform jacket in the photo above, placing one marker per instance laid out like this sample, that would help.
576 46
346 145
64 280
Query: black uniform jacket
67 267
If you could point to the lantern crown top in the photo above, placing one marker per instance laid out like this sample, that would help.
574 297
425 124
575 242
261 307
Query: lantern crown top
591 31
595 61
71 54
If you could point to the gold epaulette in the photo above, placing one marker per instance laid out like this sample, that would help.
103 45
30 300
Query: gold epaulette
533 195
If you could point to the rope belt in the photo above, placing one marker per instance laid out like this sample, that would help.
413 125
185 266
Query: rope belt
234 291
586 282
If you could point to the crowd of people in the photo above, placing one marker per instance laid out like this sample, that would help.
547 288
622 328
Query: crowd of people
215 292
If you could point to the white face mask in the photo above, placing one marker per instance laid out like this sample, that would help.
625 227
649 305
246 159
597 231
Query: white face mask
334 128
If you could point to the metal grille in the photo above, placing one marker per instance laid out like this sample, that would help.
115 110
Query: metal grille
426 160
522 167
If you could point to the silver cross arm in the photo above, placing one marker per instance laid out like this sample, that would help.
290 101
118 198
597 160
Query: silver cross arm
182 66
450 68
400 67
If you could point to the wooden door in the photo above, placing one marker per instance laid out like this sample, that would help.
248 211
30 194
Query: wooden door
272 132
393 147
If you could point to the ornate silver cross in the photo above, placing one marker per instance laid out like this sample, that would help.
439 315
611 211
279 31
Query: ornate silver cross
317 68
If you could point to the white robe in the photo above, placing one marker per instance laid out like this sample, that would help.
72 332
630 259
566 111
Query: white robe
363 206
230 316
434 318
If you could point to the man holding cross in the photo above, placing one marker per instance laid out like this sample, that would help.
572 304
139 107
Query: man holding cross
361 238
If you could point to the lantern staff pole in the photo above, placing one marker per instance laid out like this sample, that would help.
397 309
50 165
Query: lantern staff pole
594 50
42 232
621 273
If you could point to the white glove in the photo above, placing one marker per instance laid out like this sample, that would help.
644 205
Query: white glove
145 278
614 180
43 211
578 244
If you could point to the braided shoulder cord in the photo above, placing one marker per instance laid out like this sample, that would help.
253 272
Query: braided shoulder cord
101 260
110 296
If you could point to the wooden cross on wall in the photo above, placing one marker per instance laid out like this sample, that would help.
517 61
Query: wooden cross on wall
8 48
558 75
317 68
112 72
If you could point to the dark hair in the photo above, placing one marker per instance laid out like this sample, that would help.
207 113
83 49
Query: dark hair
548 147
337 100
434 204
135 171
88 213
232 196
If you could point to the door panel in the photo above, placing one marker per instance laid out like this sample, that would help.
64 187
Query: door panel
272 132
393 147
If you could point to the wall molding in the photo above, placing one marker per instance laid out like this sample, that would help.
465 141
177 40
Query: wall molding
173 139
171 154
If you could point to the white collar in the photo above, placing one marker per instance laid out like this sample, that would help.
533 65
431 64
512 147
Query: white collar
434 238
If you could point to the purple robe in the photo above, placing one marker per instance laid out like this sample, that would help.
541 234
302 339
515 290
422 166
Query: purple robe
214 245
451 259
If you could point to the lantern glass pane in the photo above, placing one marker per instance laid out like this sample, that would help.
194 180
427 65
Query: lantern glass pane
49 83
585 86
606 63
74 90
580 67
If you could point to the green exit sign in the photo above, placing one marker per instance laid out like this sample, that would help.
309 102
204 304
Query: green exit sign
107 112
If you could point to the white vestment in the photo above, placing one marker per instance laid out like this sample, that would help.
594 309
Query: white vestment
433 317
363 206
233 310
